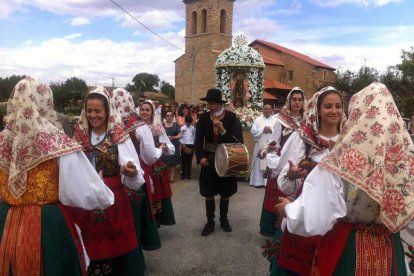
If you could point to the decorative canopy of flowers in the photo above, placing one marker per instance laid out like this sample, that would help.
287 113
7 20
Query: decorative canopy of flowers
241 58
237 59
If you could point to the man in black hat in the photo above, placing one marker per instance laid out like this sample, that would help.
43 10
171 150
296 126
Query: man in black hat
213 128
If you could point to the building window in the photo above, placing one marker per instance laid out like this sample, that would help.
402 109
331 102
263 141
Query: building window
194 23
324 74
223 21
204 21
290 76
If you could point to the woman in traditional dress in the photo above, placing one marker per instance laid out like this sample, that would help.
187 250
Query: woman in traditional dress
323 119
174 134
287 121
110 236
42 168
361 194
159 172
148 154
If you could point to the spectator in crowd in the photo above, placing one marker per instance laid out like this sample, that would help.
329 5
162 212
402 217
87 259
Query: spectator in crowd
200 110
173 132
157 108
187 149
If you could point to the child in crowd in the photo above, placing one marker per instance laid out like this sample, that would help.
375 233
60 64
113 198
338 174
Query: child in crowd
187 148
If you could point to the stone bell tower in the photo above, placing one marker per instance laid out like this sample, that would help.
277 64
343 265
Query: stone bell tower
208 31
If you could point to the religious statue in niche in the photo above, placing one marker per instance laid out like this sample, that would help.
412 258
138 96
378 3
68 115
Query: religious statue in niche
238 93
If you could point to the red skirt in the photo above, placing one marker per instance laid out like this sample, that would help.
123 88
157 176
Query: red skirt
272 193
297 253
161 181
110 232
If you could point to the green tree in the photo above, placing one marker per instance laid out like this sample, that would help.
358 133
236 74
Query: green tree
68 96
143 82
406 88
168 90
7 84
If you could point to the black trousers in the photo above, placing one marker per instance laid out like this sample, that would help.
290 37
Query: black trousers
186 162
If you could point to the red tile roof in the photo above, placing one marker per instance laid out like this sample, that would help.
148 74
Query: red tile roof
275 84
269 96
268 60
292 53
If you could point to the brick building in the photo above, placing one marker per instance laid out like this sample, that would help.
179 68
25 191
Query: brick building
209 25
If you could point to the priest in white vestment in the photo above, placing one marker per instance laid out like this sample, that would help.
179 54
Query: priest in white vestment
261 130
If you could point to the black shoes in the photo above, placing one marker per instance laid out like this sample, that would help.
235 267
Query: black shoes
225 225
208 229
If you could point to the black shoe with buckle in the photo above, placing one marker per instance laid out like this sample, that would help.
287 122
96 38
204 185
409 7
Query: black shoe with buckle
225 225
208 229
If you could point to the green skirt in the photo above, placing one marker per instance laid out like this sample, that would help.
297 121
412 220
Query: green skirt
146 227
59 254
166 216
267 223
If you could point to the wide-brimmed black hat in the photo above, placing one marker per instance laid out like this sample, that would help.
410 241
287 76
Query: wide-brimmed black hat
213 94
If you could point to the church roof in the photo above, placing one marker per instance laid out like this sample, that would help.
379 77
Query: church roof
290 52
240 56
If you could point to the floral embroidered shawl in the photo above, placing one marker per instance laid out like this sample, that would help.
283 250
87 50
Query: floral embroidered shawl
115 132
124 105
375 153
32 134
284 116
310 126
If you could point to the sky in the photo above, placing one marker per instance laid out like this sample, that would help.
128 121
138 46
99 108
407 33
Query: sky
97 41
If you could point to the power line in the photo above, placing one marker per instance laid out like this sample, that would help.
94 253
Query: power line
143 25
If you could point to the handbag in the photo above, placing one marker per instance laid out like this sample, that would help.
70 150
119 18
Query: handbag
187 150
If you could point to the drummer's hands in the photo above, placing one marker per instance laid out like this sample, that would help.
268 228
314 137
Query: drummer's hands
295 172
280 207
219 125
204 162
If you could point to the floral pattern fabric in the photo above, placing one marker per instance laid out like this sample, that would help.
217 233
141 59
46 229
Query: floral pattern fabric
115 132
375 154
32 134
124 105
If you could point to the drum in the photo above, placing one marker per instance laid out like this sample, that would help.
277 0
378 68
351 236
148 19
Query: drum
232 160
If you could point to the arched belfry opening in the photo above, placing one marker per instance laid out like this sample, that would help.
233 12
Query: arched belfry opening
203 21
223 19
194 23
208 31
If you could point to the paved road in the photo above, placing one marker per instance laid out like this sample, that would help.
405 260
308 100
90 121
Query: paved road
185 252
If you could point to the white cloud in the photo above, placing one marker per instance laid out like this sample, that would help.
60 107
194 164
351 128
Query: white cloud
95 61
78 21
73 36
361 3
156 19
27 42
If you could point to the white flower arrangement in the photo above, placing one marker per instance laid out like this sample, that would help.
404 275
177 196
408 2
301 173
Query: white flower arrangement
247 116
241 58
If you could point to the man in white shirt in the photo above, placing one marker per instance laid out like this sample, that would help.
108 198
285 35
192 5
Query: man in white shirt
261 130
